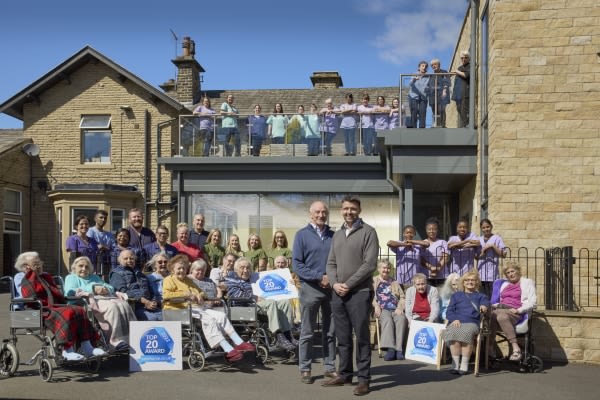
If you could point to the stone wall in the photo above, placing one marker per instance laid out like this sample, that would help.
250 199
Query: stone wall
53 124
565 336
544 125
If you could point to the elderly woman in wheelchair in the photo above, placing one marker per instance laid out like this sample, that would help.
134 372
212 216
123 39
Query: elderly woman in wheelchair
111 310
513 299
279 312
179 289
69 323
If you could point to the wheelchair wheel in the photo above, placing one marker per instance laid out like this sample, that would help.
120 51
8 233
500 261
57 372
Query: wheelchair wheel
46 369
535 364
262 354
9 360
93 365
196 361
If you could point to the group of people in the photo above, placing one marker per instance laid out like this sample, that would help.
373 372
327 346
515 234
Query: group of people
434 89
435 281
315 128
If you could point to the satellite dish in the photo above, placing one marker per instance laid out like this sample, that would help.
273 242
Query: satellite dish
31 149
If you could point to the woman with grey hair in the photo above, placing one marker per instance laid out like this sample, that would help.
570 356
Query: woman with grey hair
110 308
68 323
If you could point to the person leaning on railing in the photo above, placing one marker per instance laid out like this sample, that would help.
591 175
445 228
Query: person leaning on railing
418 94
207 119
329 124
258 130
440 93
277 122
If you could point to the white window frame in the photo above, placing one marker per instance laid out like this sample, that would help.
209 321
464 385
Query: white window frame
20 194
96 125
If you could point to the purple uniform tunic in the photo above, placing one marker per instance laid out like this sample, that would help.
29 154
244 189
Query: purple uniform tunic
463 260
433 255
488 264
408 262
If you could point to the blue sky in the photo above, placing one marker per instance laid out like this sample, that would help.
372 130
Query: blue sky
260 44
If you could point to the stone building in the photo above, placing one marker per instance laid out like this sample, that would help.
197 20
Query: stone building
537 85
15 191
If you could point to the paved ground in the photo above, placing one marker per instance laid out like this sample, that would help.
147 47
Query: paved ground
279 380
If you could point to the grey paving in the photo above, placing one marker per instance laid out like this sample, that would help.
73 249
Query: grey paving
391 380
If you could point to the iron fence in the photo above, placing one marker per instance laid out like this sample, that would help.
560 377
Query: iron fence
565 279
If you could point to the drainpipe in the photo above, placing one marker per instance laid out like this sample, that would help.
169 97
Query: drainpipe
157 202
388 178
147 152
472 66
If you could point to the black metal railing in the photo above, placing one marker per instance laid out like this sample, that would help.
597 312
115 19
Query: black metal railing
565 279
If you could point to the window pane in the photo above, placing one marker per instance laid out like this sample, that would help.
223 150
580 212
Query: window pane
116 219
12 201
95 121
12 248
88 212
96 146
12 226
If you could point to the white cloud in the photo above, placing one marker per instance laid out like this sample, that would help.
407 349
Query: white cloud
415 31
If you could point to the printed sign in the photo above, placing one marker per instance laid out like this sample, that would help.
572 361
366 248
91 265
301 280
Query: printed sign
155 346
424 341
276 285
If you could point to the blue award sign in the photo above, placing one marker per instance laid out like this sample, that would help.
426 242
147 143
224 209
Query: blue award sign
155 346
424 341
275 284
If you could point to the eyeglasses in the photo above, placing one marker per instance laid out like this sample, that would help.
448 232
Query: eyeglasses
162 262
470 280
464 57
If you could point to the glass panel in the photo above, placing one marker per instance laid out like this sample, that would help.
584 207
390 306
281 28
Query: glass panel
12 226
88 212
95 122
96 146
117 217
231 213
246 214
12 248
12 201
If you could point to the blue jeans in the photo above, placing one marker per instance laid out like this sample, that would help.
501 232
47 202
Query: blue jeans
313 297
327 140
256 143
232 142
312 146
368 140
277 140
350 140
418 112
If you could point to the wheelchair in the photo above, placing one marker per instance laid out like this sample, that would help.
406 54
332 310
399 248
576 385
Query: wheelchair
524 330
26 319
253 327
195 347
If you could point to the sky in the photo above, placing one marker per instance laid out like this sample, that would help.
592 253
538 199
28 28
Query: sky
242 44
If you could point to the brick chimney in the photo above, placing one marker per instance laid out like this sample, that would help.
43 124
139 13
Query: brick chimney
326 80
187 87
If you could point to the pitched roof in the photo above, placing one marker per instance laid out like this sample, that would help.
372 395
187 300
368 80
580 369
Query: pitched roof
14 105
10 138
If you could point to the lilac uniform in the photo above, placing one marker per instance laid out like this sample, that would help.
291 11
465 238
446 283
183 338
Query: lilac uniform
408 262
488 264
433 255
381 120
463 260
90 249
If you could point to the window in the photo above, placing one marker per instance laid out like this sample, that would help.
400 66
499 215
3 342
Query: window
88 212
12 242
117 217
96 138
12 202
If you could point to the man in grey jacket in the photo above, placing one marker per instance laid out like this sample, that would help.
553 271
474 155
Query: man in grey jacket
350 266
